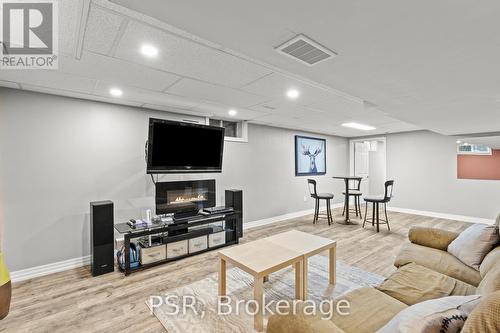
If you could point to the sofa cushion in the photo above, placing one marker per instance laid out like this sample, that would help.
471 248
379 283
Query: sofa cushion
439 261
491 259
490 282
370 309
485 317
432 237
300 322
474 243
413 283
432 316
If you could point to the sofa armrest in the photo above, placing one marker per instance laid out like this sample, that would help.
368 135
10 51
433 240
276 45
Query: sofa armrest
300 323
432 237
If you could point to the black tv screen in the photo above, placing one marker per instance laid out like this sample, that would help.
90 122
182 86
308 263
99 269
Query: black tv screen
179 147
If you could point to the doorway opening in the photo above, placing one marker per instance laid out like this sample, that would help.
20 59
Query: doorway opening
367 159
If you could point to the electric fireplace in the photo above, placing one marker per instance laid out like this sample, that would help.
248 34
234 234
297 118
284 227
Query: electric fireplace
184 198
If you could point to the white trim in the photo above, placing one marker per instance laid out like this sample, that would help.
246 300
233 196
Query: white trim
37 271
462 218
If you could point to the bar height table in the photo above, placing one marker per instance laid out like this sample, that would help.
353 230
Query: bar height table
346 202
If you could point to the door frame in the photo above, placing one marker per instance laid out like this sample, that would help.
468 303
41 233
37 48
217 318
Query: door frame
351 151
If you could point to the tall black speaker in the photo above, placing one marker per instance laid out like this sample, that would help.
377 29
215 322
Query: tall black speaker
234 198
101 237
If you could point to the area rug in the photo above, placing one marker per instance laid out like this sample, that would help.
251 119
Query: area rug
281 286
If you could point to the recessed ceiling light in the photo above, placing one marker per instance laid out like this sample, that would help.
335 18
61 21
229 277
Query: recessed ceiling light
293 94
459 142
149 50
116 92
232 112
359 126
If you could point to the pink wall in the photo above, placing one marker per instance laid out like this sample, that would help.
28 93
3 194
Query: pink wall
479 166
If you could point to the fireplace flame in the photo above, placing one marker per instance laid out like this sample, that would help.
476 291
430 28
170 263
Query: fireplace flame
184 199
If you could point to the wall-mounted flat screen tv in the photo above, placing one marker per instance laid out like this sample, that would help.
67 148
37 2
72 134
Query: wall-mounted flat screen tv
180 147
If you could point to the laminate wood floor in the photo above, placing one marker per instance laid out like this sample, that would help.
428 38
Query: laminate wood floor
74 301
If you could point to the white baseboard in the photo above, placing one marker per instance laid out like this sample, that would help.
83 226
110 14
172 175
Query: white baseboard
30 273
442 215
33 272
274 219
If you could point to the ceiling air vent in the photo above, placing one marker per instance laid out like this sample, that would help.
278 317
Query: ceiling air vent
306 50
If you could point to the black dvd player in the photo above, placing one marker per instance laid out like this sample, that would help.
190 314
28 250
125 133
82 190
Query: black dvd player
217 210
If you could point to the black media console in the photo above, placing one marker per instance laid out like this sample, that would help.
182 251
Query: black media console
182 237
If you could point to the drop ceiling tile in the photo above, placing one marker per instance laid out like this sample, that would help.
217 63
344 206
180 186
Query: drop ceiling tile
101 30
109 69
399 126
70 13
287 109
187 58
371 119
50 79
279 120
215 93
243 114
79 95
183 111
145 96
276 85
221 111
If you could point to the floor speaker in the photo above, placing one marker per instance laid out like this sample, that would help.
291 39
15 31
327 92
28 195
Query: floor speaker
234 198
101 237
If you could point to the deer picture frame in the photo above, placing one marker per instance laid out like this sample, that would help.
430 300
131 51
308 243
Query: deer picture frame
310 156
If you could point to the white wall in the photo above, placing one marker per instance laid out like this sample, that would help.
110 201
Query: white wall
58 154
424 167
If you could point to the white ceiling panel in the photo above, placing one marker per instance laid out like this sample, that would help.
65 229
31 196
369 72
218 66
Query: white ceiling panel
79 95
182 111
202 77
276 85
221 111
102 30
277 120
69 24
113 70
49 79
215 93
286 109
413 59
398 127
187 58
145 96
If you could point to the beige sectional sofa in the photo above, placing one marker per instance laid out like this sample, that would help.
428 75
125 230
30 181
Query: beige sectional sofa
425 271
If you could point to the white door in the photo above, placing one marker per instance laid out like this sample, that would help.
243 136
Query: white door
361 164
370 163
377 167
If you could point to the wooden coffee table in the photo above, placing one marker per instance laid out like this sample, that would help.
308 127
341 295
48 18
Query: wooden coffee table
268 255
309 245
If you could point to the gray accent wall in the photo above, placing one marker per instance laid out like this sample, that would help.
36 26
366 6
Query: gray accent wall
58 154
424 167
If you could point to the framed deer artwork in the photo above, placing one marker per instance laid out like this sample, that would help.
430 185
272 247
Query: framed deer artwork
310 156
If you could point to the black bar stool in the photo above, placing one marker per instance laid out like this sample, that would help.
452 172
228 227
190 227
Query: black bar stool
376 200
356 193
317 197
